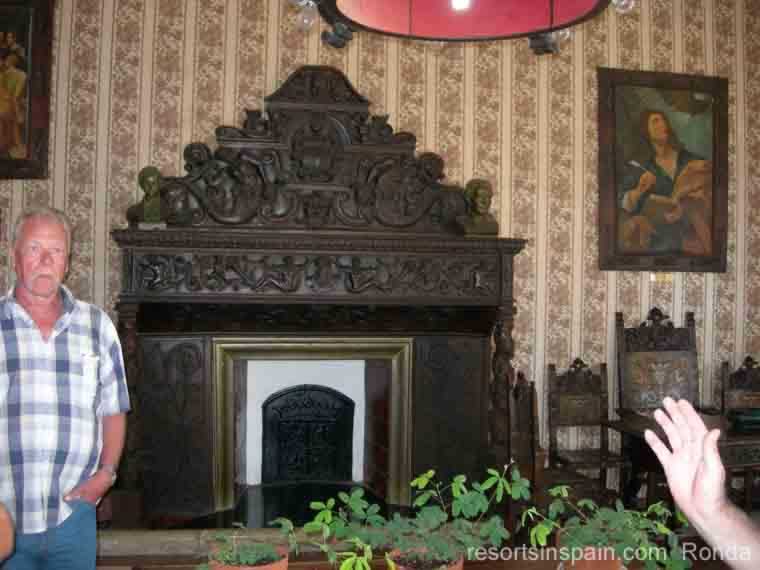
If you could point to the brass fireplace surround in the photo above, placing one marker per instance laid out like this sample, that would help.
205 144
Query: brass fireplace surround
228 351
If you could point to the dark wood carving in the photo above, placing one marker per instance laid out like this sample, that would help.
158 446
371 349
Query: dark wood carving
348 275
576 397
501 381
659 333
175 437
183 317
656 359
377 387
740 388
450 399
130 465
314 158
316 218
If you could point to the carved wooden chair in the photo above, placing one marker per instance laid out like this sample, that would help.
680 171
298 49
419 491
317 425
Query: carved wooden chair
578 399
656 359
741 389
525 448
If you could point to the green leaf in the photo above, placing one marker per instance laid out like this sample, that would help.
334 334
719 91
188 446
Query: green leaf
560 491
312 527
529 513
587 504
423 498
422 481
661 528
556 508
539 534
490 482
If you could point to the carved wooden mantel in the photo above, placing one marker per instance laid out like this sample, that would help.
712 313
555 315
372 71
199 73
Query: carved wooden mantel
315 217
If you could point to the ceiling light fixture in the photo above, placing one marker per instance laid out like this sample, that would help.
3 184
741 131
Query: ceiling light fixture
544 22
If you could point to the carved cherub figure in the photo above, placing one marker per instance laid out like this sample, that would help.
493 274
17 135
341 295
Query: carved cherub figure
149 208
479 221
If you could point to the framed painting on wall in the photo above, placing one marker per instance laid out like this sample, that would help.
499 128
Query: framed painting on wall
26 34
663 171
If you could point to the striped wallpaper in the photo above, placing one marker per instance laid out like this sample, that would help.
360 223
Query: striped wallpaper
136 80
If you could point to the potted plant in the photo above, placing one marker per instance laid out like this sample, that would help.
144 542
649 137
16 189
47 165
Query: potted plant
593 536
447 522
232 550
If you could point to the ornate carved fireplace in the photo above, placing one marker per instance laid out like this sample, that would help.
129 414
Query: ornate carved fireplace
315 220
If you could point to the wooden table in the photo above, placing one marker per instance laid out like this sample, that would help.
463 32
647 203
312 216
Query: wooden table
736 449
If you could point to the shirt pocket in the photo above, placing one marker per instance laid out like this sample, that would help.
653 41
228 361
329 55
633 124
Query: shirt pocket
84 382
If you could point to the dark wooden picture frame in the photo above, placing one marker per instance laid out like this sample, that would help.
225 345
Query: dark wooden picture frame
26 36
663 171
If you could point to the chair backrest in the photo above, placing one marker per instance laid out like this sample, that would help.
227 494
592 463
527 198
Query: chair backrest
523 426
740 388
656 359
577 397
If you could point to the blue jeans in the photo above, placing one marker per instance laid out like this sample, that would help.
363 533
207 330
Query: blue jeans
69 546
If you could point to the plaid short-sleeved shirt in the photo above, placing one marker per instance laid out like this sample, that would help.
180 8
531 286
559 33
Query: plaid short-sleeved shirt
52 396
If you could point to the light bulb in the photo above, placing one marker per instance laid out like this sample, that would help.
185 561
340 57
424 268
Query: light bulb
307 16
624 6
460 5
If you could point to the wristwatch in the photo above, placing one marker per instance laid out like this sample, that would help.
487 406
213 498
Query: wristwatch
110 469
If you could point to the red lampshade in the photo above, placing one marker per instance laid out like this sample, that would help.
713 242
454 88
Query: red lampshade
482 20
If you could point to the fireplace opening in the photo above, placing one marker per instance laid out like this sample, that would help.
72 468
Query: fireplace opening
301 419
306 428
307 435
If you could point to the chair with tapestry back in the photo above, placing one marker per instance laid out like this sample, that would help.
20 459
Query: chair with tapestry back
740 401
578 399
656 359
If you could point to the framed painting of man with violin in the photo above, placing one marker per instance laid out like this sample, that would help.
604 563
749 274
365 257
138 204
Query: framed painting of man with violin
663 171
25 59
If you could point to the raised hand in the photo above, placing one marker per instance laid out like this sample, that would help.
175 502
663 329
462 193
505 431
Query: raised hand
692 465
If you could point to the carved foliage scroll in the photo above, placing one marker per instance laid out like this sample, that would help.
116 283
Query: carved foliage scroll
314 158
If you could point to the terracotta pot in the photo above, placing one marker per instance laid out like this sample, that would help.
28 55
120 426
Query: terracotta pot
594 559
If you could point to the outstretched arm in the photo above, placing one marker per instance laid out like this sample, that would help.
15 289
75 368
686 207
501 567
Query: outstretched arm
696 477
